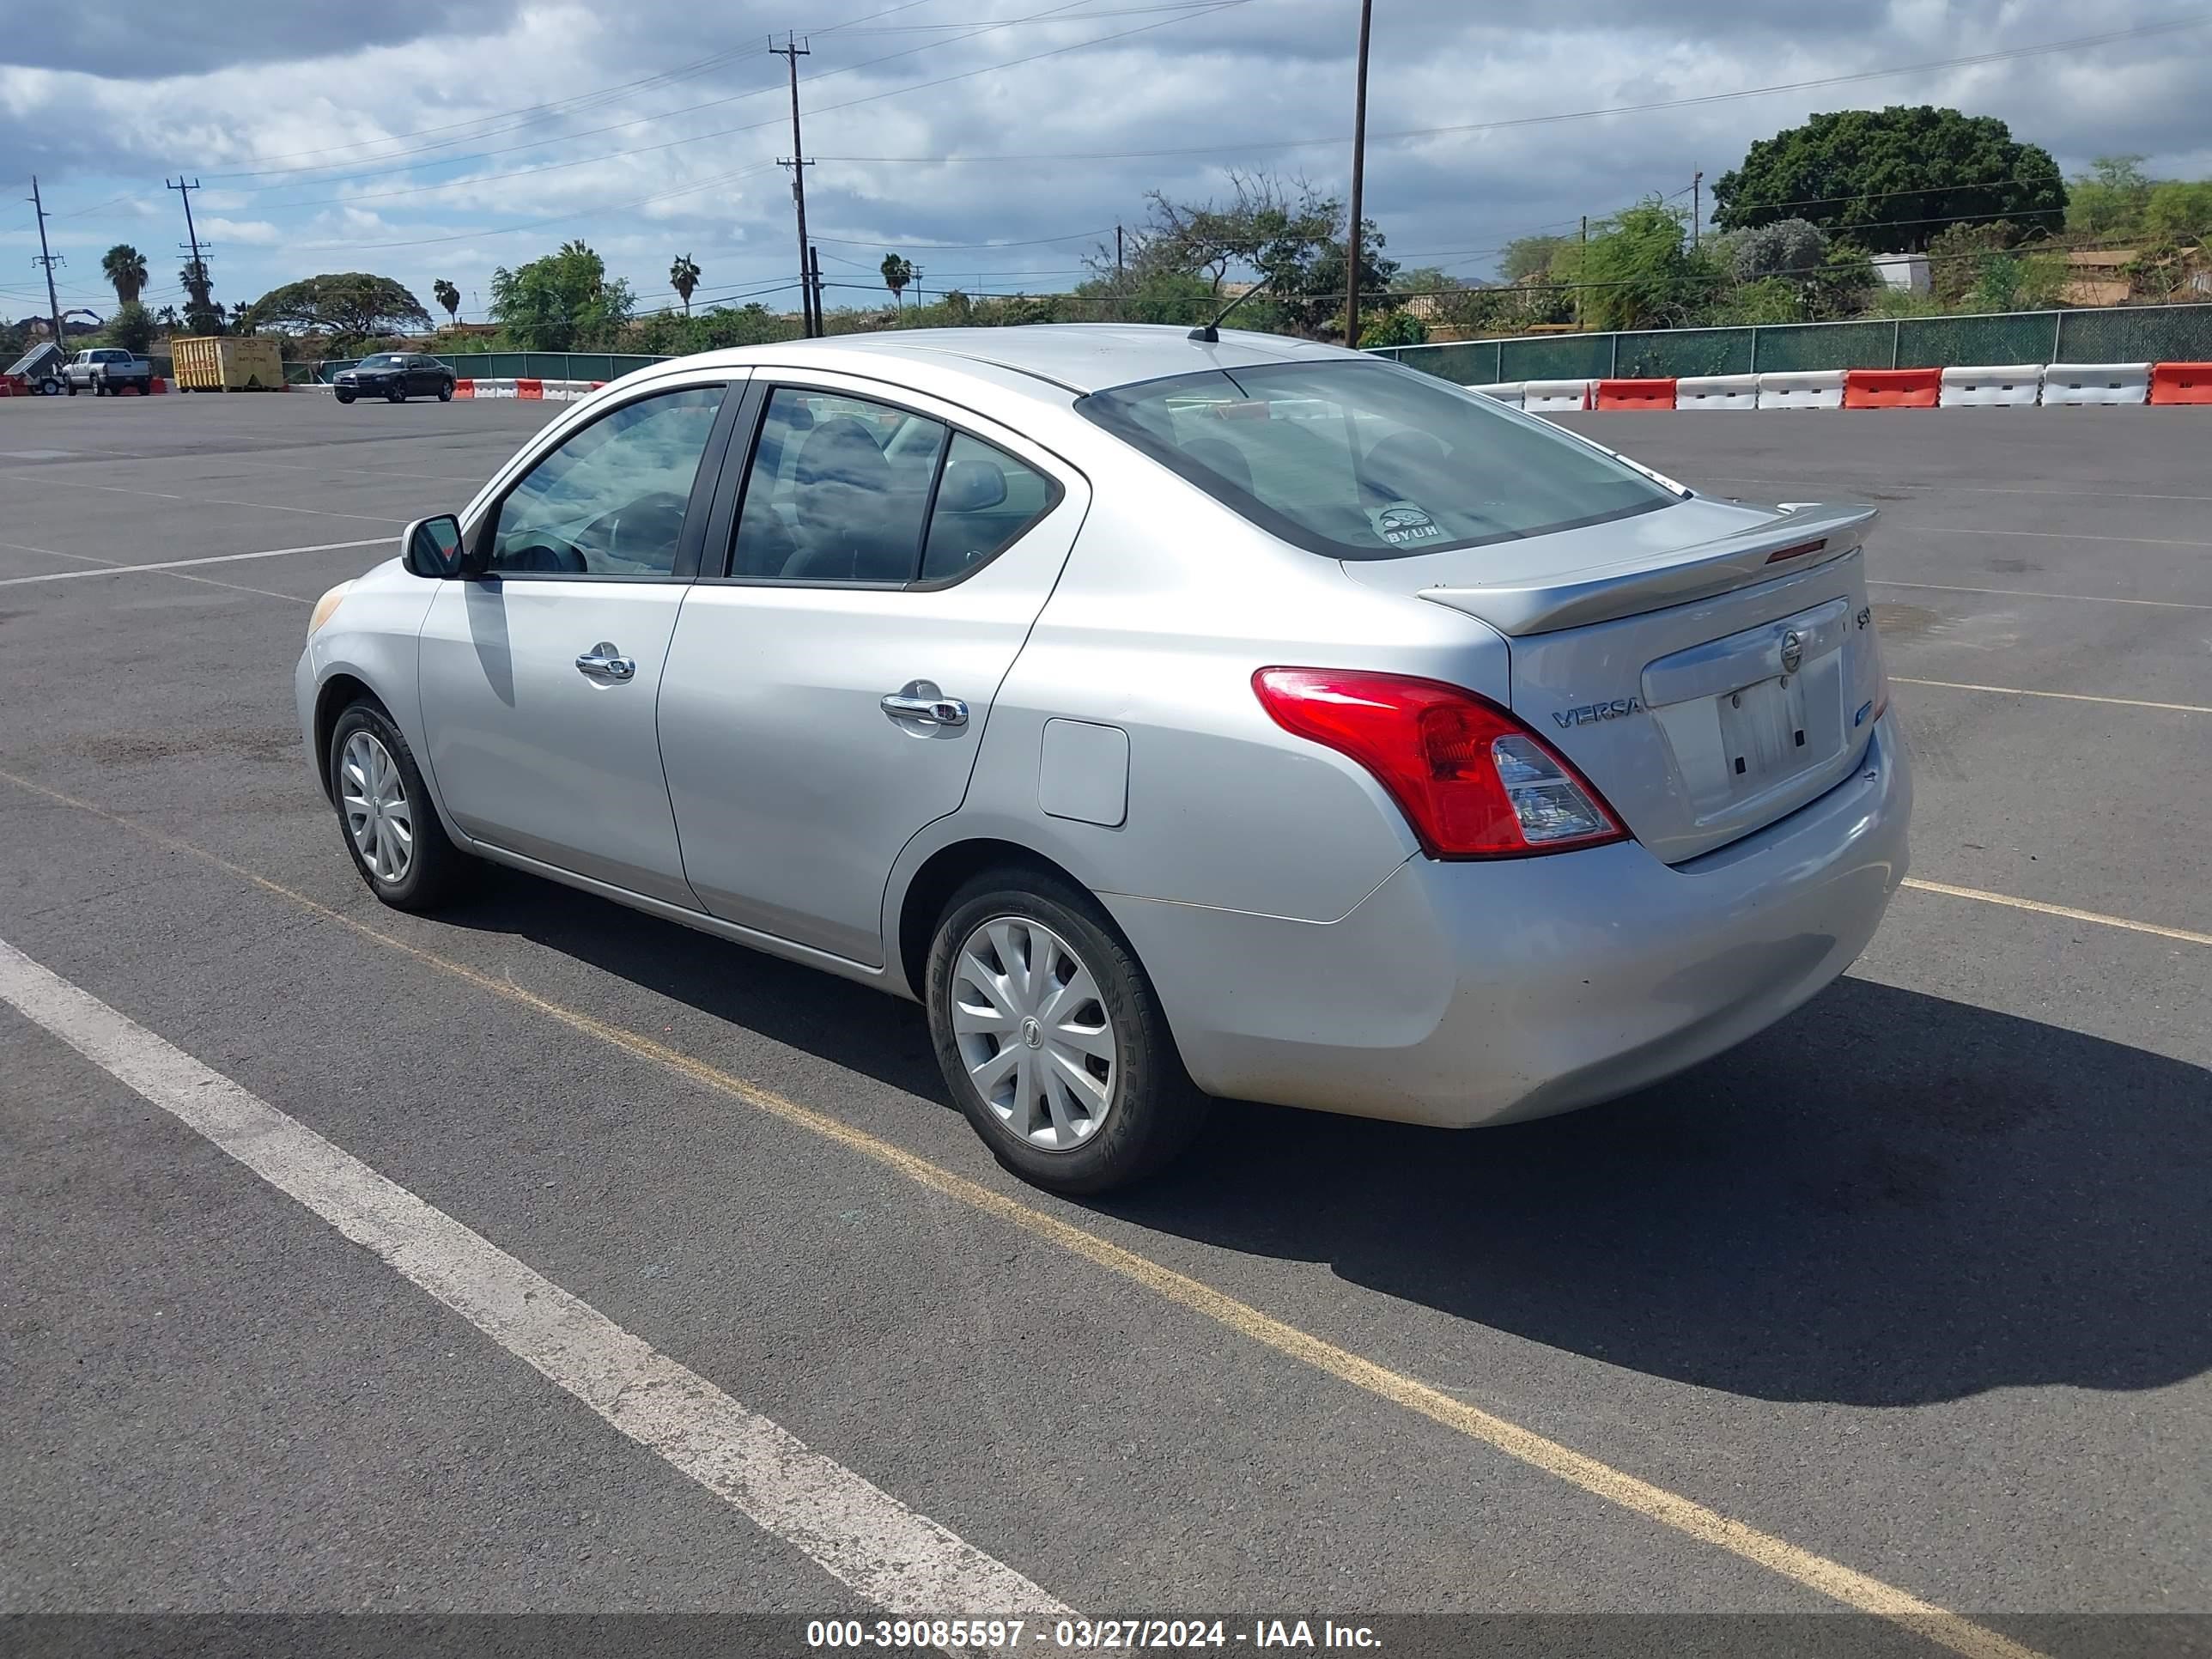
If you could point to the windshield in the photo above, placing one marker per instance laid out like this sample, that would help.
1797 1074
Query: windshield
1369 460
387 361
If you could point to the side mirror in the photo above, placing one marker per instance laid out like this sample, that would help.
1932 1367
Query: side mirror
432 547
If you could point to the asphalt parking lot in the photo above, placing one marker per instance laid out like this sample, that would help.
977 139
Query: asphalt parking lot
1906 1298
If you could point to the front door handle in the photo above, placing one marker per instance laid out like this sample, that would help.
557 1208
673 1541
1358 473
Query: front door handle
603 663
929 710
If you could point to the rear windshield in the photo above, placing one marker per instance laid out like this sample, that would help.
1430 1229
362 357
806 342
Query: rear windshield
1369 460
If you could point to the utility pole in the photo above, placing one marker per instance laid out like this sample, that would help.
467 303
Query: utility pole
199 266
1697 205
46 257
1582 272
1358 178
814 285
1117 249
791 51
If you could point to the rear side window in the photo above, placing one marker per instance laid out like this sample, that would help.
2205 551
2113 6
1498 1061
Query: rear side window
1369 460
985 502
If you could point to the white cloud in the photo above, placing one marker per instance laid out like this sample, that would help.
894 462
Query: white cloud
324 134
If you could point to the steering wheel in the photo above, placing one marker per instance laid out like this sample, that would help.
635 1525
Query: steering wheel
641 533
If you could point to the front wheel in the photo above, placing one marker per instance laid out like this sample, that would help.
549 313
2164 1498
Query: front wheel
1051 1037
390 825
345 397
72 387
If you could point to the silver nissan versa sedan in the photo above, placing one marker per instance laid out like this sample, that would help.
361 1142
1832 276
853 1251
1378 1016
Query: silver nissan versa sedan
1172 716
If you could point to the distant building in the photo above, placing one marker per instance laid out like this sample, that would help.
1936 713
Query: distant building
2095 278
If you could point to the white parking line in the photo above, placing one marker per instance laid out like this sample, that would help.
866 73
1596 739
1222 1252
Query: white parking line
858 1534
2098 917
2032 593
218 500
188 564
2062 696
2052 535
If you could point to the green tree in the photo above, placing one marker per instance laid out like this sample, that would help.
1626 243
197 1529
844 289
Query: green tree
1787 247
1638 271
1148 295
125 267
1892 179
449 298
2179 212
350 305
563 302
898 273
201 314
2108 200
684 277
1526 257
131 328
1393 328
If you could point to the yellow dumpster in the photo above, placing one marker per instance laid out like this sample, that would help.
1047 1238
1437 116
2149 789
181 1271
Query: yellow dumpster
228 362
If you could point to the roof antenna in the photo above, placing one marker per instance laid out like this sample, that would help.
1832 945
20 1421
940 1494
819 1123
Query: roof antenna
1210 333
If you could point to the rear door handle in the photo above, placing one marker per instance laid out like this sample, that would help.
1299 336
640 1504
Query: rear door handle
930 711
603 662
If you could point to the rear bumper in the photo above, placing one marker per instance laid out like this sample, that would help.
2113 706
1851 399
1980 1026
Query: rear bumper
1459 994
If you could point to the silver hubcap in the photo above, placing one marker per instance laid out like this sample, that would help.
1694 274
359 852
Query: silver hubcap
1034 1033
377 814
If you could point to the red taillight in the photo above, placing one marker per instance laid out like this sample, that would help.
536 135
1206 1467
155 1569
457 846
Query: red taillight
1473 782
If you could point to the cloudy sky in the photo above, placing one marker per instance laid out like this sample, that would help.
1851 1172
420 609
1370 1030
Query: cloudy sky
993 142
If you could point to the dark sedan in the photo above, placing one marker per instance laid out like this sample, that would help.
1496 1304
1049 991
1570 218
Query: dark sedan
397 375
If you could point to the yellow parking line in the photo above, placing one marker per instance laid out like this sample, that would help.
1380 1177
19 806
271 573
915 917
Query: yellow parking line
2037 905
1815 1572
2063 696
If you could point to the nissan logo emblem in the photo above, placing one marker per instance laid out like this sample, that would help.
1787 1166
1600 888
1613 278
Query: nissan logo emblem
1793 652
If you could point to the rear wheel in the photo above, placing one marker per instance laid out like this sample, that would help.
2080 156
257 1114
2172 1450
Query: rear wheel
1051 1037
390 825
445 392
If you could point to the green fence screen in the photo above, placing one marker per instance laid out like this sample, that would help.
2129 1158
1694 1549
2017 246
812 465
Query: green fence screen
2124 334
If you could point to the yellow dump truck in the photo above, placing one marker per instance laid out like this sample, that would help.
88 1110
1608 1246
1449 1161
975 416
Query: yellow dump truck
228 362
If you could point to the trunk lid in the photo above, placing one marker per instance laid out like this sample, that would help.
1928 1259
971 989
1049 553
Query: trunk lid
1710 667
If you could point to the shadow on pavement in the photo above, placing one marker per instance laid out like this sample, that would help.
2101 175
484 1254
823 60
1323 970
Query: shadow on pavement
1889 1199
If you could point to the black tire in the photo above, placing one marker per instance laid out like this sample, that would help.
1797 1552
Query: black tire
398 394
345 397
1154 1109
71 384
437 866
445 392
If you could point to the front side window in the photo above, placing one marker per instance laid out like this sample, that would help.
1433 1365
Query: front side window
838 490
610 500
1368 460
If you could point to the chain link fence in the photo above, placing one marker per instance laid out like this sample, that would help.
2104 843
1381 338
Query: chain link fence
2124 334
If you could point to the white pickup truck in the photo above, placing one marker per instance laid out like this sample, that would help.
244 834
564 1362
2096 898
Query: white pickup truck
106 370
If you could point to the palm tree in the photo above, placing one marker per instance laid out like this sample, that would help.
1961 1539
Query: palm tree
898 273
684 277
125 267
449 298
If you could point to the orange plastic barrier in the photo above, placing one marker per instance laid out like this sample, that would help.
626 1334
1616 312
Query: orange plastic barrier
1892 388
464 388
160 383
2181 383
1635 394
530 390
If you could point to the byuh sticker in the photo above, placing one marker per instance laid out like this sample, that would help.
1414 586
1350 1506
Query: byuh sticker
1402 524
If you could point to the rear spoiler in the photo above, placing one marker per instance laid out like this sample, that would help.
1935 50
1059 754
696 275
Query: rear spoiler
1799 538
